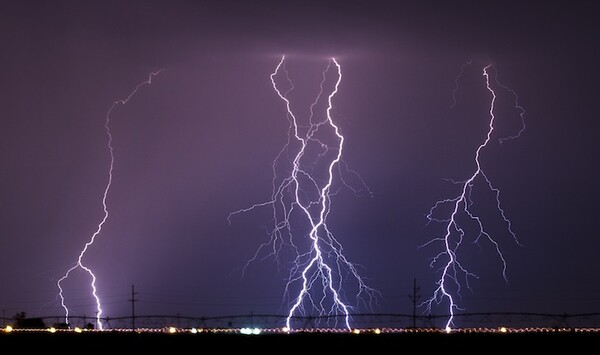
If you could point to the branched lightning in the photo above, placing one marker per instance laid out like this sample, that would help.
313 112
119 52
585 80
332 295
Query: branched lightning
79 263
453 273
517 106
303 192
456 85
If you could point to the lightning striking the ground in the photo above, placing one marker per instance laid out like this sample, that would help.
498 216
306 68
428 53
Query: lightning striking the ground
79 264
312 164
453 273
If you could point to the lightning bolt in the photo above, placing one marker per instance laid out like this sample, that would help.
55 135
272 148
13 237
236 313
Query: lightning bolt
79 264
301 191
456 85
452 271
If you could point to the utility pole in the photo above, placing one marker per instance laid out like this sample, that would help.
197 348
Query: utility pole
414 299
133 300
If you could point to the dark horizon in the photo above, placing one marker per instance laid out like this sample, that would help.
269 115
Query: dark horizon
199 142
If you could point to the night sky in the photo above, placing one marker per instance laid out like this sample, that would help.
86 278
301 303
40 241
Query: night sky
198 143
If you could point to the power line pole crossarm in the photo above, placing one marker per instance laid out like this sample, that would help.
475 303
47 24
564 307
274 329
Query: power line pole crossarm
133 300
414 298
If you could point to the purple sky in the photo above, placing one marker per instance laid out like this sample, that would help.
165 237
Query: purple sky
198 144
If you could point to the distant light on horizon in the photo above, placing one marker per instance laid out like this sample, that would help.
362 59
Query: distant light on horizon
250 331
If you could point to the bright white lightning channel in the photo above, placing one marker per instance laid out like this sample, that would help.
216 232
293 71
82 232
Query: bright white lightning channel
452 271
79 264
303 191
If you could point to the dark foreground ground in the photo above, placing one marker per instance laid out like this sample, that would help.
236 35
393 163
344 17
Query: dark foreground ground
574 342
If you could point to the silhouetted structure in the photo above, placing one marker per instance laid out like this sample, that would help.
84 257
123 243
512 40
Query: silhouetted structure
133 300
21 321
